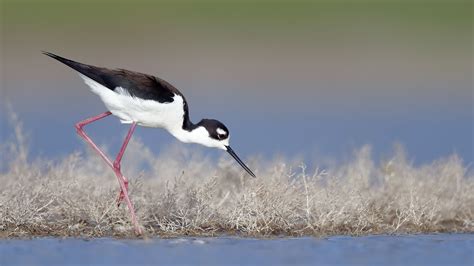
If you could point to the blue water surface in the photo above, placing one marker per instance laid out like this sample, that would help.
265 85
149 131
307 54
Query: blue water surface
442 249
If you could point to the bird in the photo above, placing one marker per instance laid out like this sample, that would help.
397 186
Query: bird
145 100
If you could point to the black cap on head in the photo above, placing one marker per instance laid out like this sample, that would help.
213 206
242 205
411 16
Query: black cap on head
216 129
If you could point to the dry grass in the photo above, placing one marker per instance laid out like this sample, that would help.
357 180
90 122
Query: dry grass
184 194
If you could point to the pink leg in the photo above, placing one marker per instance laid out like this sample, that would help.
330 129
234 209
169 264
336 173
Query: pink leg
120 178
119 159
116 165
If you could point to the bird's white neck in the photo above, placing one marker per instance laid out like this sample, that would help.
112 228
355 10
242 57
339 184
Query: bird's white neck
197 135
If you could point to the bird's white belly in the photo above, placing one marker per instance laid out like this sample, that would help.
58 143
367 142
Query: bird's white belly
147 113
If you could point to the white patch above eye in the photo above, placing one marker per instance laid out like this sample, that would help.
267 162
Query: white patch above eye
220 131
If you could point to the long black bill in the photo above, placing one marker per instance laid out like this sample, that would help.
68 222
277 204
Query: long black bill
232 153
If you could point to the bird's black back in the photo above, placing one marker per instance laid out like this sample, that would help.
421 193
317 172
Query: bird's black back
139 85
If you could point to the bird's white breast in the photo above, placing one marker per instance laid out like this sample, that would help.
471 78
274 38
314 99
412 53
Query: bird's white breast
147 113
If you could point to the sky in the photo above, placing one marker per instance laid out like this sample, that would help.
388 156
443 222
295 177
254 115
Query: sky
311 78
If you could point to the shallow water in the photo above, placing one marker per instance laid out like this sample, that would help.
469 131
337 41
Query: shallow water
441 249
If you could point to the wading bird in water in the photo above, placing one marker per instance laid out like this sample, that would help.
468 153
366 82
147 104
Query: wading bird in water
145 100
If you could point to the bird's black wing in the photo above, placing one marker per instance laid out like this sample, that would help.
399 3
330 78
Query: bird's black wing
139 85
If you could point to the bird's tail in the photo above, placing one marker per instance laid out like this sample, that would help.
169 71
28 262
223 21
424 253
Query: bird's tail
72 64
89 71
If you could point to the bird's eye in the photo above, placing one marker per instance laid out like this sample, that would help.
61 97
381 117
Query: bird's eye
221 133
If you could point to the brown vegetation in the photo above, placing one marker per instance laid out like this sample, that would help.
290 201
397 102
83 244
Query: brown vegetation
182 193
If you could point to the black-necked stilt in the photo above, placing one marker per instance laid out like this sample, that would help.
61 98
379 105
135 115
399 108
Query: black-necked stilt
141 99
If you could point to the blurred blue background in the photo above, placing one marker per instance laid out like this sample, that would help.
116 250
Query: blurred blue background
314 78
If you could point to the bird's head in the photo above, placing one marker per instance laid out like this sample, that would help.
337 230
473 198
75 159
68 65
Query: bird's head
216 135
